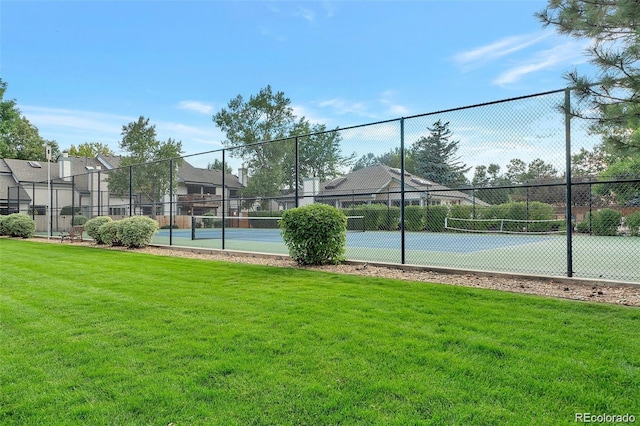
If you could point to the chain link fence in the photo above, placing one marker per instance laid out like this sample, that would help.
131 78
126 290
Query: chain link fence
514 186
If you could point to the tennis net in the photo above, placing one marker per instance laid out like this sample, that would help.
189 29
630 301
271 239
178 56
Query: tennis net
506 226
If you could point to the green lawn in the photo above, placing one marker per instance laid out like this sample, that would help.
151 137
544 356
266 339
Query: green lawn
99 337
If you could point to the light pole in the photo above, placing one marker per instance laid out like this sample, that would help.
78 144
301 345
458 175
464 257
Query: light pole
49 215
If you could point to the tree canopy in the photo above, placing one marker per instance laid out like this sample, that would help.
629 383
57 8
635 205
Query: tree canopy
611 26
435 157
18 137
217 165
269 116
145 153
90 149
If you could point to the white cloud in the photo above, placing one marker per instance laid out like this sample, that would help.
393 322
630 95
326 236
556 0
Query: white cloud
302 111
382 107
393 109
189 134
73 119
558 56
329 9
305 13
506 46
73 127
197 106
341 107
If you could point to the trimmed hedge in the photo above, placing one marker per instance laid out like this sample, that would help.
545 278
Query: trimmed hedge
79 220
415 218
603 222
67 210
435 218
3 230
315 234
108 233
92 226
137 231
377 217
633 222
133 232
263 224
19 225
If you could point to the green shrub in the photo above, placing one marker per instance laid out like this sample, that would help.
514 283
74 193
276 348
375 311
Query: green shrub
92 226
519 212
583 227
66 210
167 226
434 216
263 224
414 218
3 230
633 222
605 222
137 231
461 211
265 213
377 217
79 220
207 222
108 233
315 234
19 225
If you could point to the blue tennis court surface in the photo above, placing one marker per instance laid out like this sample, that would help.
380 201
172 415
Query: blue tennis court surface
420 241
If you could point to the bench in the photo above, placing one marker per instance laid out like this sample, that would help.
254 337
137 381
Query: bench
74 234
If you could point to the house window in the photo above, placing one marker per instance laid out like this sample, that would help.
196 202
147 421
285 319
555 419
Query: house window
117 211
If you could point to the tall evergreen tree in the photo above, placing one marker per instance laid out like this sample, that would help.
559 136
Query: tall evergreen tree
435 157
611 26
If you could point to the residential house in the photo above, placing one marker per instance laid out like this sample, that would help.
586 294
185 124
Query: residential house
81 184
379 184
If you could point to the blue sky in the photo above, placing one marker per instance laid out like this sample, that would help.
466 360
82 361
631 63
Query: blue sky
80 70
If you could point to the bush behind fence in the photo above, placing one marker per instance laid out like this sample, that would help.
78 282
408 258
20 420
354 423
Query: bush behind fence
497 132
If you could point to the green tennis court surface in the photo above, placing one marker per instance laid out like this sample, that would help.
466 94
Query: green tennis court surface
613 258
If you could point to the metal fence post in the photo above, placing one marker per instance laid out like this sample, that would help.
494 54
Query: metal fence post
224 200
130 190
18 196
402 195
73 198
99 193
33 199
297 172
171 201
569 211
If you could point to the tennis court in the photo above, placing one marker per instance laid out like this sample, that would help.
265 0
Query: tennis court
612 258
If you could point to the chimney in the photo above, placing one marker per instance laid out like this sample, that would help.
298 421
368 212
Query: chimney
242 176
310 188
64 163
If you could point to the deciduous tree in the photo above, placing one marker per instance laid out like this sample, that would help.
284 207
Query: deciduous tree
269 116
148 158
90 149
18 137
